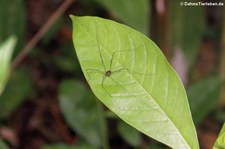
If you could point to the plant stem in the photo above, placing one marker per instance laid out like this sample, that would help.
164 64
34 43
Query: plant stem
37 37
102 125
222 58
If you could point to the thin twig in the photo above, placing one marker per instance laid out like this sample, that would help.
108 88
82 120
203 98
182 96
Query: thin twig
41 33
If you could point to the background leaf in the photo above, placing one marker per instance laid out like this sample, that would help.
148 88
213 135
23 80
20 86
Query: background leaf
146 92
129 134
16 91
138 19
12 21
81 112
220 142
3 145
186 31
6 50
203 97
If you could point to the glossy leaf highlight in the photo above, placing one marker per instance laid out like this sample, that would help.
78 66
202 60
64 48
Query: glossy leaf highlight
6 50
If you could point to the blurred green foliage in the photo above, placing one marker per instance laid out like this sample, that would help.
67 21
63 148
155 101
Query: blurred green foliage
13 21
131 135
68 61
135 13
3 145
203 97
187 26
18 88
82 112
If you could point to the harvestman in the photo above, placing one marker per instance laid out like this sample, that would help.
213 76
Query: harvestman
108 72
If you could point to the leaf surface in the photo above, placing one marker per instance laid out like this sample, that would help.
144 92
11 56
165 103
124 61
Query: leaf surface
130 75
81 112
6 50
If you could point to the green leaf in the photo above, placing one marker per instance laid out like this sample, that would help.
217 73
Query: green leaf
134 13
129 134
140 87
81 112
66 146
203 97
186 31
3 144
220 141
6 50
16 91
13 21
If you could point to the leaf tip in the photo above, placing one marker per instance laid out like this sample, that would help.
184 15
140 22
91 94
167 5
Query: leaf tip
71 16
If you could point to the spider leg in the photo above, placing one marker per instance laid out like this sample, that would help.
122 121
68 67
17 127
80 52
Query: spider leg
93 71
102 84
122 51
101 57
114 54
128 70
